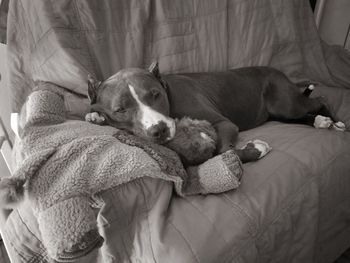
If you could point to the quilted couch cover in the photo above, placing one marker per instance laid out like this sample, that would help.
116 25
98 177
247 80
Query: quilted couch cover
292 206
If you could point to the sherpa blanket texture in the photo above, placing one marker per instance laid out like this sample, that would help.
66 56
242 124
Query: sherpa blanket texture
67 162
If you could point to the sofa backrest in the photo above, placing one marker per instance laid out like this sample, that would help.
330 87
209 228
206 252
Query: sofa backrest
62 42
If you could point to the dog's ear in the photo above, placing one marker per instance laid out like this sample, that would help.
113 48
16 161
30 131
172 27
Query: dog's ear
154 69
93 85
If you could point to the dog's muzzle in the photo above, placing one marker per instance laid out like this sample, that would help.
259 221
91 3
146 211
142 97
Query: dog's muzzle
162 131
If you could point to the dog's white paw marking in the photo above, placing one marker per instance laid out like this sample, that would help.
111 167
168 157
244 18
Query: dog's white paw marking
94 117
339 126
322 122
263 147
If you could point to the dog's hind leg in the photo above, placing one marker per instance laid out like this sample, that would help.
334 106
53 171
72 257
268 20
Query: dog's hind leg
294 107
308 90
319 116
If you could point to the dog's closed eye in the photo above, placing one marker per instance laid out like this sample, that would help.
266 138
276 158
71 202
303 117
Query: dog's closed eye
155 94
120 110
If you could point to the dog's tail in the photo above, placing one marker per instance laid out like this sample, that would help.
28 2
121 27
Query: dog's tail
310 86
308 90
12 190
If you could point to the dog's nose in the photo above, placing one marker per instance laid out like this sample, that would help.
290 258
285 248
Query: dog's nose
159 131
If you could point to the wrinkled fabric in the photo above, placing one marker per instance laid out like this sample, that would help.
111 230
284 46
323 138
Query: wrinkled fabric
292 206
63 41
4 6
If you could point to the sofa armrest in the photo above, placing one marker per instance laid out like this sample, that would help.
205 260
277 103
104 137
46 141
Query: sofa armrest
338 100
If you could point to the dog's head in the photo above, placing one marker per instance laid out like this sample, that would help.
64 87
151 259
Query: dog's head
134 100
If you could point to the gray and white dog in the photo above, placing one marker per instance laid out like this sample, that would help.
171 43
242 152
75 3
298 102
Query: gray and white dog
144 102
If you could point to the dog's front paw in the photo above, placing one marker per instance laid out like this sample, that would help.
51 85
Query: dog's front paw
95 117
248 153
264 147
11 191
255 150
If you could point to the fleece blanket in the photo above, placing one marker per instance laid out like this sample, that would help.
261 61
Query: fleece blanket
67 162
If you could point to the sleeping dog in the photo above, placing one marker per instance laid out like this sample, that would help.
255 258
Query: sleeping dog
141 101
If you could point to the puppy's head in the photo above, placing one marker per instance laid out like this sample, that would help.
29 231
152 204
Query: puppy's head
134 100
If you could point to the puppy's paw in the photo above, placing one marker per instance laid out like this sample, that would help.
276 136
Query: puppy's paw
95 118
338 126
11 191
322 122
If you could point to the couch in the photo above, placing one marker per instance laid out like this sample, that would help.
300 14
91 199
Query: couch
292 206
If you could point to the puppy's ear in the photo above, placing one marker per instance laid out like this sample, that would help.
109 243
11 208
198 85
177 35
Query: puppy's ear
93 85
154 69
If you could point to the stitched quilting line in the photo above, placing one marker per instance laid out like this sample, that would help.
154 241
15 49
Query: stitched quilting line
148 222
243 212
189 20
306 168
204 215
127 234
115 195
279 43
330 160
92 59
268 224
197 45
24 11
179 53
182 69
250 10
134 46
41 254
274 46
116 200
184 19
328 167
33 258
290 201
168 37
195 256
284 208
22 221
